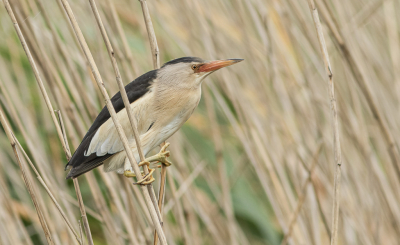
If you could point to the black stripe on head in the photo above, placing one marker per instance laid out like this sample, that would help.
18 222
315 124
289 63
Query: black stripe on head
135 90
183 60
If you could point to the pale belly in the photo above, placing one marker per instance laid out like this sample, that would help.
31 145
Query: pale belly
171 115
149 141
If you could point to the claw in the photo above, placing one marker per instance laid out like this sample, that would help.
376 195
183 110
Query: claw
144 163
129 174
148 178
162 156
164 147
146 182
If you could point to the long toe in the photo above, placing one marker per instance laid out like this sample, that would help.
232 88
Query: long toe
129 174
164 147
147 179
144 163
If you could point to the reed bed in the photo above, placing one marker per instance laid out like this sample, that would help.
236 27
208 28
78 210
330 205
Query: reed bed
257 161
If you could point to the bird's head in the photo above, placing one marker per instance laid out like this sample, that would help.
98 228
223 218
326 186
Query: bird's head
190 71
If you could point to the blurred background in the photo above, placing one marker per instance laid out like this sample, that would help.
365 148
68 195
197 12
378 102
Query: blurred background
254 164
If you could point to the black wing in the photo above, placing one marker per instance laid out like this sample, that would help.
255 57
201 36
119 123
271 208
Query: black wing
79 162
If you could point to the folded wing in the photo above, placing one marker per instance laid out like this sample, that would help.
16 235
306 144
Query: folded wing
96 146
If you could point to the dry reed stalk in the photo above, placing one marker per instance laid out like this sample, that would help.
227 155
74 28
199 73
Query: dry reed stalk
34 151
45 186
33 65
12 224
49 72
82 99
152 35
119 82
323 217
124 216
125 99
90 211
161 195
44 93
364 86
102 207
261 174
393 38
200 209
142 203
10 205
363 15
76 184
181 217
80 231
113 114
13 113
185 185
27 182
224 181
156 64
83 212
231 91
121 33
217 140
278 116
302 196
100 202
336 139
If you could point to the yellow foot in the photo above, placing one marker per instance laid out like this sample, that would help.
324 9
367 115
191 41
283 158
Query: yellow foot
162 156
147 178
130 174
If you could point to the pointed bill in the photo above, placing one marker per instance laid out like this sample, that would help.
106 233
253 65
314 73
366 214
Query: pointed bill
217 64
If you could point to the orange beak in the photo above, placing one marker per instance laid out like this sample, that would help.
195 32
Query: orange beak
217 64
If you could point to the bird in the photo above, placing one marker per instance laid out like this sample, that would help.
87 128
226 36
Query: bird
162 100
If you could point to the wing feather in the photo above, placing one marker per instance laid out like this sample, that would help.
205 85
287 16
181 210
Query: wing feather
92 151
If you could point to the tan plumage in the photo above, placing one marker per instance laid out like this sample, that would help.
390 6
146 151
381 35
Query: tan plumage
162 101
168 112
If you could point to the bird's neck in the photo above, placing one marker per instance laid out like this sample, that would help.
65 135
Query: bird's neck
178 98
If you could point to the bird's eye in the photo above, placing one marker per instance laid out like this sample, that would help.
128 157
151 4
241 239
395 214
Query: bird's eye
194 67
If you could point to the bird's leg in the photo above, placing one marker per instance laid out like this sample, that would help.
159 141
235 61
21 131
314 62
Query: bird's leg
162 156
147 179
130 174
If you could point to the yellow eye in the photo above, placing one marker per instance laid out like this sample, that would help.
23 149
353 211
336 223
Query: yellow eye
194 67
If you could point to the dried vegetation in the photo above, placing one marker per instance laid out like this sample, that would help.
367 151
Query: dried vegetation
255 164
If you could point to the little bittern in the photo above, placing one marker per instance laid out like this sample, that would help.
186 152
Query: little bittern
162 101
